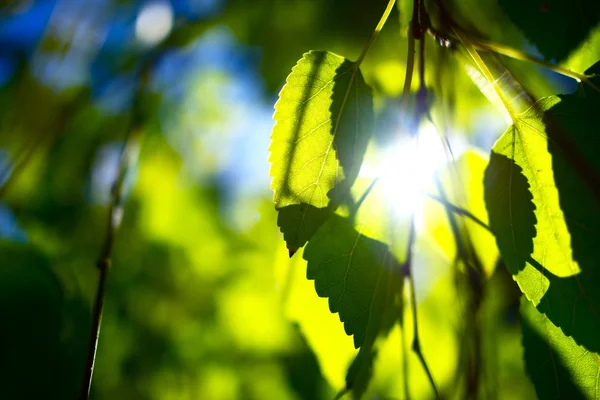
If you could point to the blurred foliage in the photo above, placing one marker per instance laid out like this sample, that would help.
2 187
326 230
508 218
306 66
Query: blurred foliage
203 301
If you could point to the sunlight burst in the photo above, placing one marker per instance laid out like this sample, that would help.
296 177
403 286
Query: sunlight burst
406 170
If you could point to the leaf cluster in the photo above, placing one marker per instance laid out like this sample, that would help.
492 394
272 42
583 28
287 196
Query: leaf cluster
541 189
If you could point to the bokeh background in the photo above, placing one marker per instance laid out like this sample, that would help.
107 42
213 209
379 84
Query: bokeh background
202 300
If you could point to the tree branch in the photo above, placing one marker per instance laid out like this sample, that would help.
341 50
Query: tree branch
129 155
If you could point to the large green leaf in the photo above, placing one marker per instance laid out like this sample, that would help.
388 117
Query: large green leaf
361 280
347 268
323 122
558 367
561 273
556 27
522 151
574 303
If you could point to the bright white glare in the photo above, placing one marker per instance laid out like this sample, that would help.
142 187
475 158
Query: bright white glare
154 22
406 170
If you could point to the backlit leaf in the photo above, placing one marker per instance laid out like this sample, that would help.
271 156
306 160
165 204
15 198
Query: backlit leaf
347 267
522 152
574 303
558 367
572 126
323 122
561 273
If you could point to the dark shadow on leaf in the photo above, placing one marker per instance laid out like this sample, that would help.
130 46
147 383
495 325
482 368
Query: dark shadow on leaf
351 116
552 380
385 317
346 267
299 222
318 60
352 109
511 210
296 227
571 303
572 127
362 280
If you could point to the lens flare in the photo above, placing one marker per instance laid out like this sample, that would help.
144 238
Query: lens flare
154 23
406 170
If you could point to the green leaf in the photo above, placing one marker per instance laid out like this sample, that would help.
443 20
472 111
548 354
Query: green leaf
574 303
561 274
556 27
522 152
558 367
346 266
323 123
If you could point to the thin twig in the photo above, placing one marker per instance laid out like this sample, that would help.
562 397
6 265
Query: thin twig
410 60
364 196
129 154
86 383
467 254
422 64
458 210
418 24
378 28
404 354
416 344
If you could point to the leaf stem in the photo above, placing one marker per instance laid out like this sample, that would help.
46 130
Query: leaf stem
422 64
504 50
418 24
410 66
404 350
378 29
472 51
410 60
407 269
